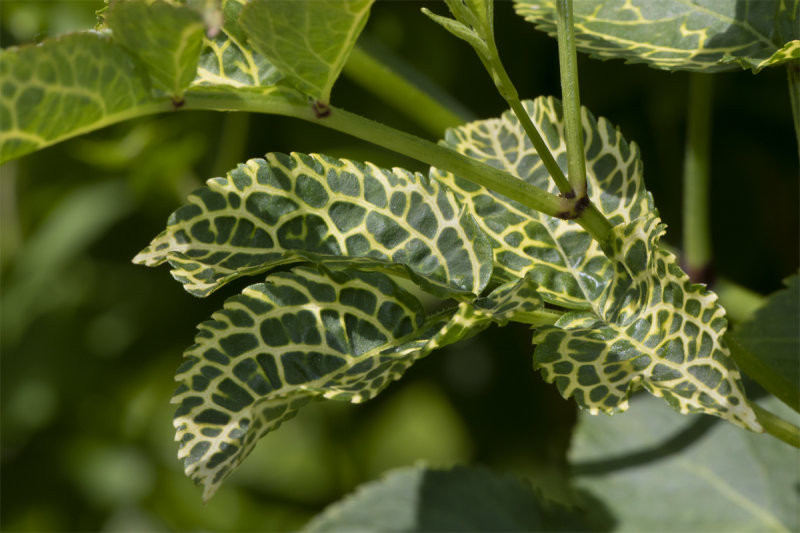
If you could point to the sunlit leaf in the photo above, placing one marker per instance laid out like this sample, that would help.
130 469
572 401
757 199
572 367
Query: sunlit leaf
569 266
68 86
658 471
308 41
297 207
167 38
640 321
655 330
789 52
675 34
305 335
461 499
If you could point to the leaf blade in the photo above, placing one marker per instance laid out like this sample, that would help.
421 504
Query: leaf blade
290 35
670 34
55 90
299 207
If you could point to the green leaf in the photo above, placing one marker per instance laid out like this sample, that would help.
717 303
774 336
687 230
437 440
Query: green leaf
66 87
228 60
653 329
460 499
304 335
568 265
771 339
658 471
167 38
291 208
640 321
788 52
673 34
308 41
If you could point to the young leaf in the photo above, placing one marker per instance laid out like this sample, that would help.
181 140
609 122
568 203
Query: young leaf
167 38
308 41
68 86
304 335
568 265
297 207
673 34
652 328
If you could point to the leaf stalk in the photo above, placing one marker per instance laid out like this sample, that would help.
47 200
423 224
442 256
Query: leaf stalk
568 63
777 426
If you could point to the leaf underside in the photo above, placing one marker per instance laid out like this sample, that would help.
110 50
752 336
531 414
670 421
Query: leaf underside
679 35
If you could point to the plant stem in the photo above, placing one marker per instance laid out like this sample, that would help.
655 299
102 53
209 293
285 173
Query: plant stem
776 426
696 223
398 141
402 93
793 72
509 93
568 63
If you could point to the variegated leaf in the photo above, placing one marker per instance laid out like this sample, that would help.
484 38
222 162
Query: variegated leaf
568 265
305 335
655 330
227 58
308 41
676 34
291 208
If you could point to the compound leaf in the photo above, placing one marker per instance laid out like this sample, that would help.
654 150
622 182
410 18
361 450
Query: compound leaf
68 86
675 34
167 38
305 335
639 321
568 265
308 41
298 207
653 329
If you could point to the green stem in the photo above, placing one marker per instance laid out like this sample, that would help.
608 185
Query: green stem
507 90
568 63
793 72
398 141
412 146
400 92
776 426
696 223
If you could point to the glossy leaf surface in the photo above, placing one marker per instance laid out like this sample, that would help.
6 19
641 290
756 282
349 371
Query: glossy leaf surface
308 41
289 208
674 34
65 87
305 335
641 323
562 258
167 38
653 329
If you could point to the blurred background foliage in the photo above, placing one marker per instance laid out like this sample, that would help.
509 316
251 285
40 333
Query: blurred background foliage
89 342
